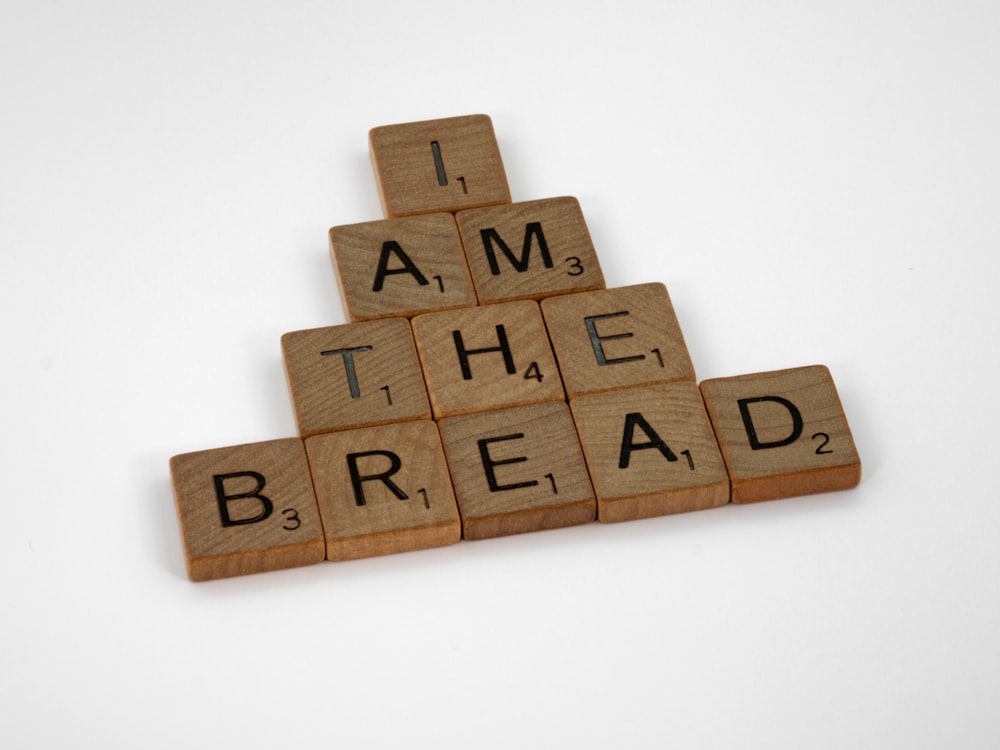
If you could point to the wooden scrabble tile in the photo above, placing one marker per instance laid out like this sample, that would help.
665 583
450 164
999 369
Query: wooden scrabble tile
651 451
486 357
383 490
354 375
438 165
529 250
246 509
617 338
782 433
517 470
401 267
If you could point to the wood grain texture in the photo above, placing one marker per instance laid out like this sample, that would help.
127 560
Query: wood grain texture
438 165
782 433
401 267
354 375
617 338
486 357
529 250
650 451
517 470
383 490
246 509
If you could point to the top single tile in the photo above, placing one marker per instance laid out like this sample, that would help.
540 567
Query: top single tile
438 165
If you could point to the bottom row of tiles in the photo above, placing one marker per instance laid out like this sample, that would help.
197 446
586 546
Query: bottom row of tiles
615 456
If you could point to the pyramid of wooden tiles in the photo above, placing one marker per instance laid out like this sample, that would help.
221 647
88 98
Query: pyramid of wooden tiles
488 382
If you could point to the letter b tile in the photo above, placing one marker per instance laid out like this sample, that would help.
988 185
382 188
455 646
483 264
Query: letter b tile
782 433
246 509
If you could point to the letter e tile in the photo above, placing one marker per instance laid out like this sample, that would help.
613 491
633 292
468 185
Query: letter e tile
246 509
438 165
617 338
782 433
354 375
517 470
383 489
651 451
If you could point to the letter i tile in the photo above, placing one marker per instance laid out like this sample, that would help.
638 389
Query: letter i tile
246 509
782 433
650 451
383 490
438 165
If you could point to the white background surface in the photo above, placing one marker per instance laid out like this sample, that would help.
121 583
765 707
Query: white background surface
814 183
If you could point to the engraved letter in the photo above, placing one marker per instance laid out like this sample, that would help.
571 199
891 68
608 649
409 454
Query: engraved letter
223 498
463 353
633 420
358 479
596 339
755 443
392 248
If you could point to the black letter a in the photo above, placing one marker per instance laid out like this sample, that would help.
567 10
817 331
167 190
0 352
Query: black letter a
632 420
383 265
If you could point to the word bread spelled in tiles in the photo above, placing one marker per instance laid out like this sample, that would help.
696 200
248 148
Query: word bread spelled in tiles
489 382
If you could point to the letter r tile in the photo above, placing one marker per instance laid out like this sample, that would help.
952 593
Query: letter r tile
438 165
616 338
246 509
383 489
782 433
354 375
517 470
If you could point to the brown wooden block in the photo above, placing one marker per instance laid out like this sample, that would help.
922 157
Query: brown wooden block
383 490
782 433
354 375
517 470
617 338
438 165
486 357
529 250
401 267
651 451
246 509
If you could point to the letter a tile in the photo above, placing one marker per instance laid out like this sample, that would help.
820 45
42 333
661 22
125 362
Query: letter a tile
383 490
517 470
401 267
651 452
438 165
246 509
782 433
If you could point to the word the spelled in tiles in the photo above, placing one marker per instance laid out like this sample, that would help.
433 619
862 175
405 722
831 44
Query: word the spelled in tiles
488 382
